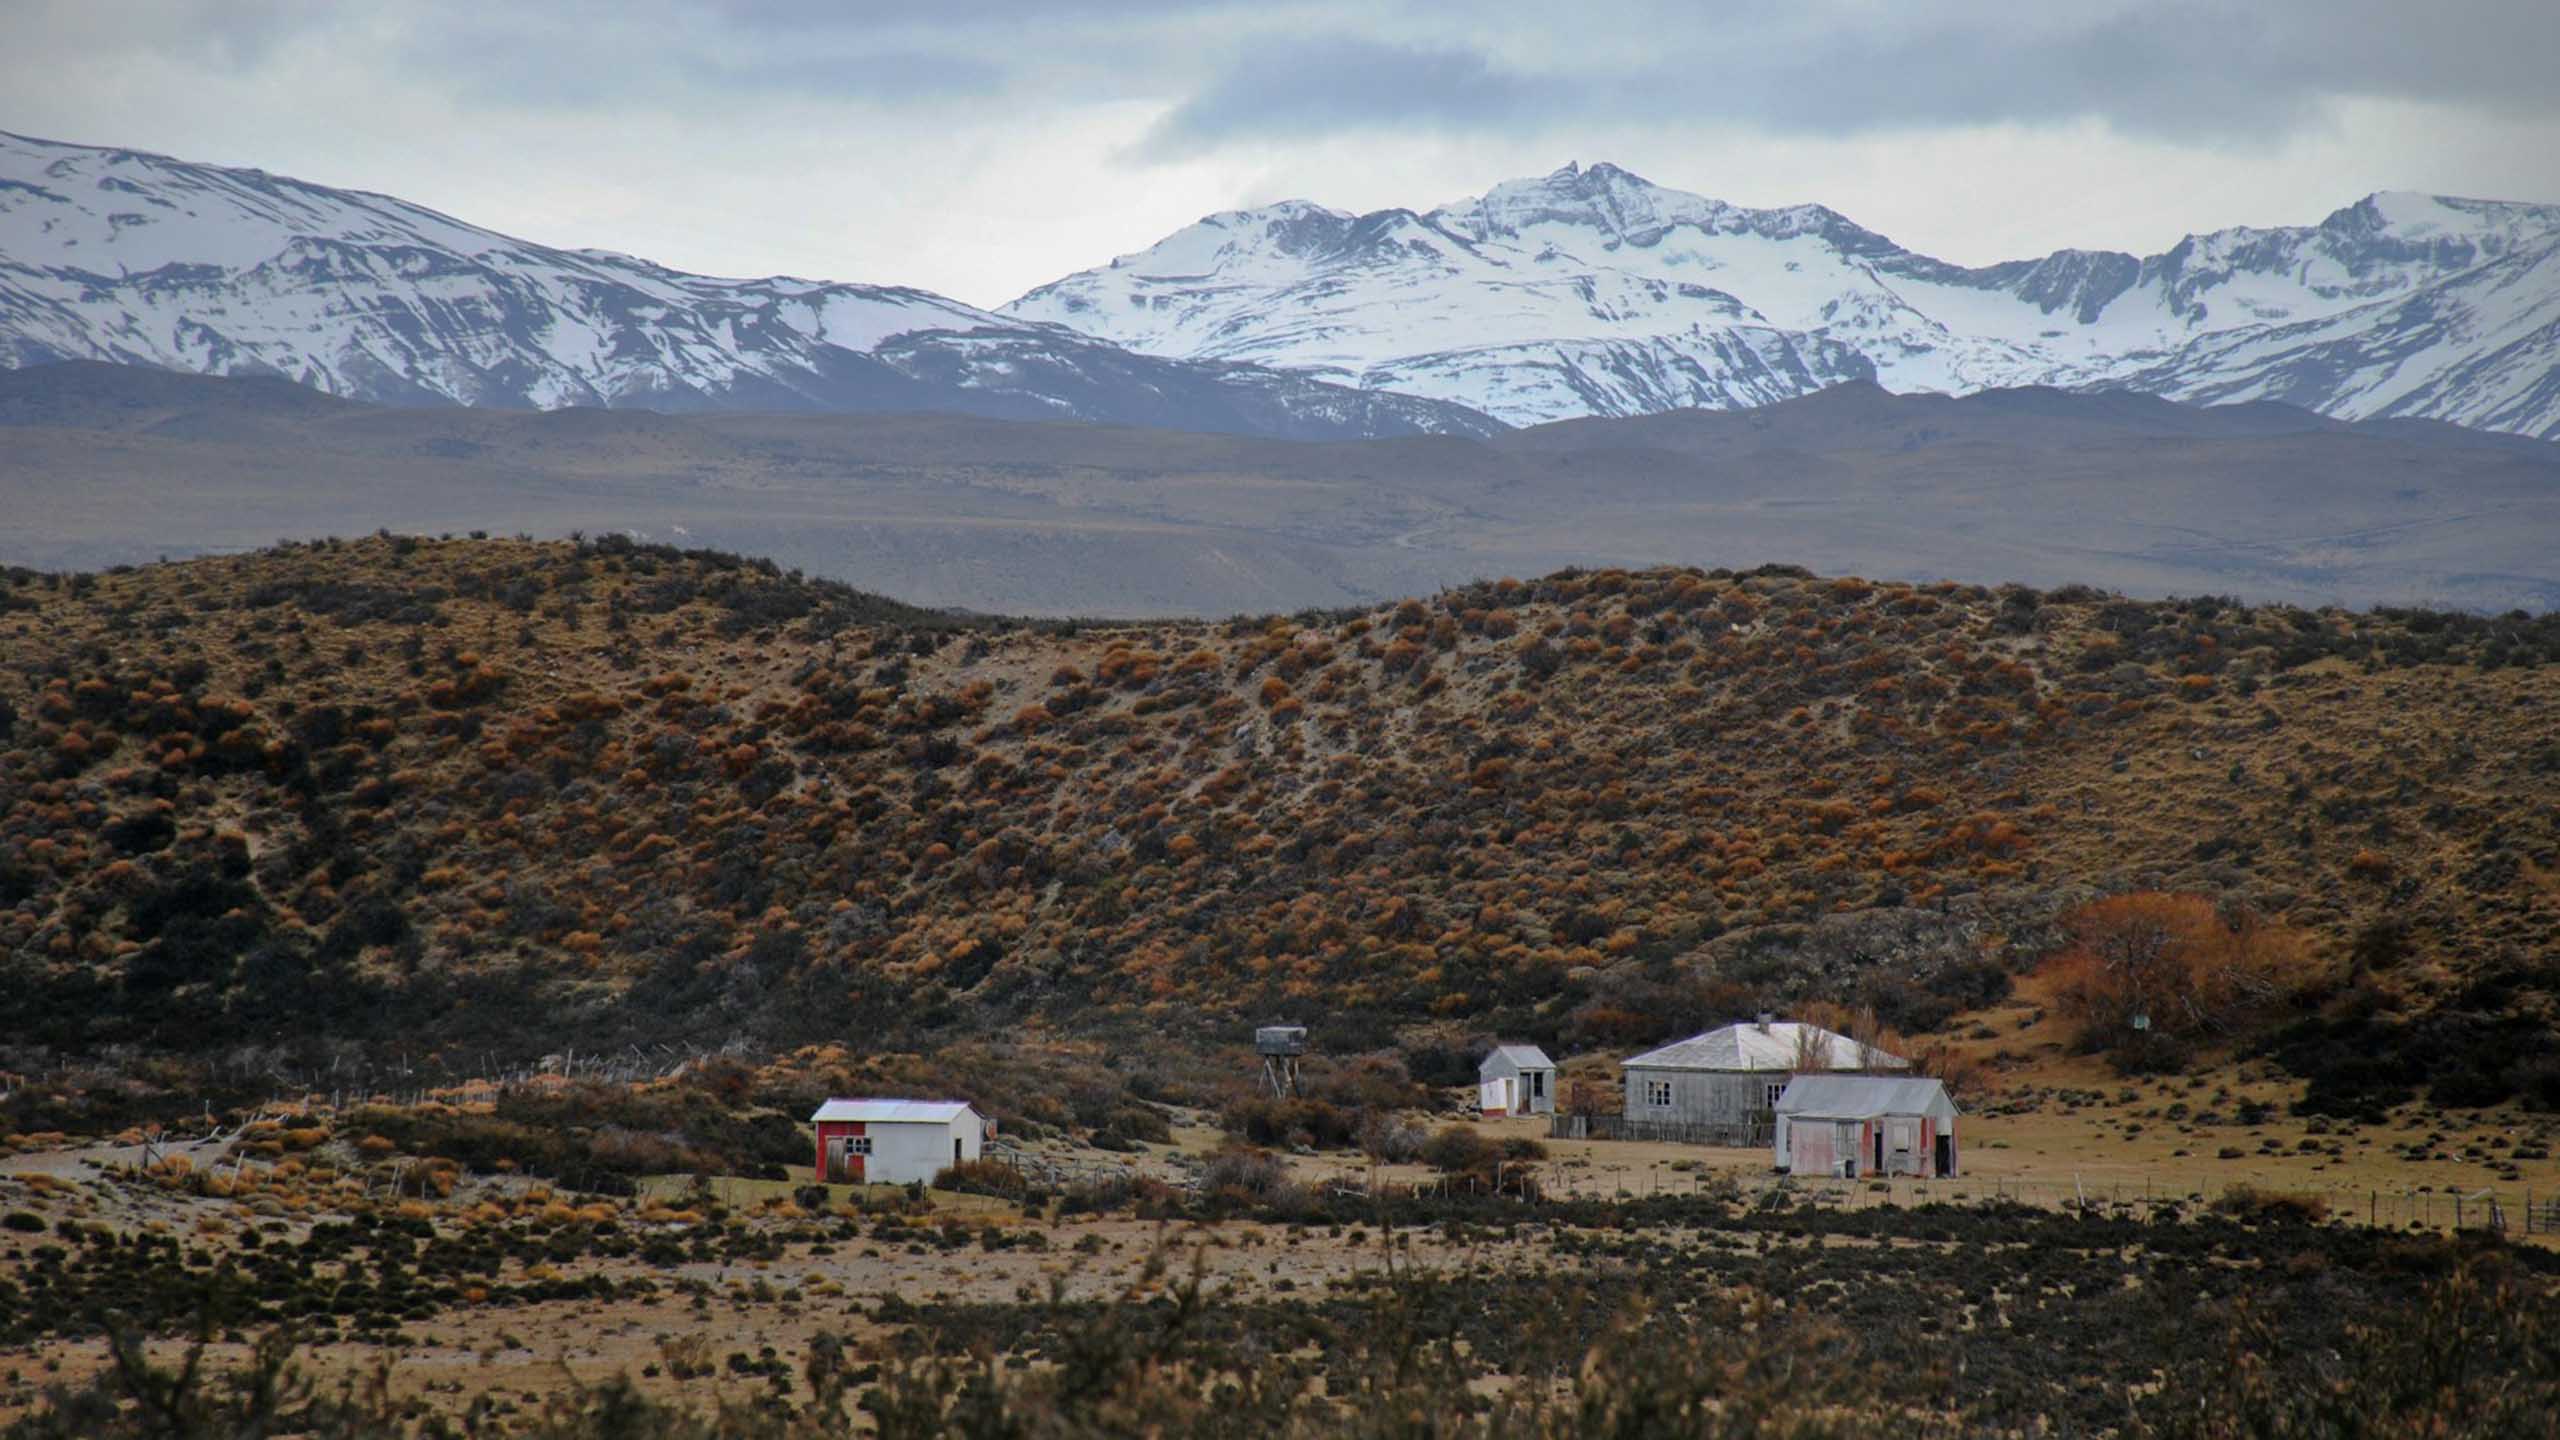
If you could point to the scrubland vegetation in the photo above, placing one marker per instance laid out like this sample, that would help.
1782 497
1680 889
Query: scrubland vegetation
383 819
1687 1317
462 800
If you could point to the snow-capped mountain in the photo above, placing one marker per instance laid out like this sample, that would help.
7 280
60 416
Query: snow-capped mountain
1595 292
135 258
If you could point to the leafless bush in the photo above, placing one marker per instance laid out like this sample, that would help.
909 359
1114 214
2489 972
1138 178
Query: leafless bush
1391 1139
1243 1173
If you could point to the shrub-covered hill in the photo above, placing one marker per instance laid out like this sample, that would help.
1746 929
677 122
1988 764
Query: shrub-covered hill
500 797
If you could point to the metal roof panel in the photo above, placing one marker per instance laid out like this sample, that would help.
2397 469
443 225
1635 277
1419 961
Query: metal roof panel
893 1112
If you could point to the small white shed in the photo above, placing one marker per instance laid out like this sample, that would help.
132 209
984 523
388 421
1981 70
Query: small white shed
894 1142
1852 1125
1516 1080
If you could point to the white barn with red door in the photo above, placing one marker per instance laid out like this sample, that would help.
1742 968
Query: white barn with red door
894 1142
1852 1125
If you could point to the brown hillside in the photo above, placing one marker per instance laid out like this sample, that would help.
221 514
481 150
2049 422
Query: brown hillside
464 797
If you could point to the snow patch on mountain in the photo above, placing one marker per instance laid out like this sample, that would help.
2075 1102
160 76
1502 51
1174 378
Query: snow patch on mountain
133 258
1593 291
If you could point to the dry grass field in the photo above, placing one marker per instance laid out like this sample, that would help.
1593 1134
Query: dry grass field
712 1294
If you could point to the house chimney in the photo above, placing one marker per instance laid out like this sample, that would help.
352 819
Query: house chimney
1765 1018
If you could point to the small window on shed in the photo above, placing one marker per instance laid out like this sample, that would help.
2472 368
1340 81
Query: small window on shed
1774 1092
1657 1093
859 1145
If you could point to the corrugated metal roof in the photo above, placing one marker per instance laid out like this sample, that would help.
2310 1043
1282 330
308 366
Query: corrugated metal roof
892 1112
1526 1057
1862 1097
1748 1047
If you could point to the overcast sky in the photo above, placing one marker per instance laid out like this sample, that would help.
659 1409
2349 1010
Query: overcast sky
980 147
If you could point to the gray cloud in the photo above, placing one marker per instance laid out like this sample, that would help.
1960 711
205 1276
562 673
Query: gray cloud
983 146
2186 71
1339 82
1227 71
874 76
792 15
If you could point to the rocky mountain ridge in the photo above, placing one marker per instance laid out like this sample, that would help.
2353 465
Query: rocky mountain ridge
133 258
1596 292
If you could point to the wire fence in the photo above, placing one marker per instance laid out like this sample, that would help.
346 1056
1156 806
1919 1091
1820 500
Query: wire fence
2520 1210
1749 1133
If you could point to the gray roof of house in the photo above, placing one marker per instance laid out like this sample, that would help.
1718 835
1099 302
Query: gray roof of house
1748 1047
893 1112
1862 1097
1525 1057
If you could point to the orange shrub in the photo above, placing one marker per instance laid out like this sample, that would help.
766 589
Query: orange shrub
1988 834
2179 962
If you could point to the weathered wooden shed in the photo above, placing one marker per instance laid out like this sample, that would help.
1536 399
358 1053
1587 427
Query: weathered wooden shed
1516 1080
1734 1076
1855 1125
894 1142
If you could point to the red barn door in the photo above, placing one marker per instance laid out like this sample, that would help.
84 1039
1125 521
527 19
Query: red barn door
840 1157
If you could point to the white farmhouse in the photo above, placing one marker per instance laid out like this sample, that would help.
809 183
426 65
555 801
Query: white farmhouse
1733 1076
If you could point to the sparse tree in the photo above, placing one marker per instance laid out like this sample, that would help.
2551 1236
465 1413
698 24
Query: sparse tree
1812 1050
2175 966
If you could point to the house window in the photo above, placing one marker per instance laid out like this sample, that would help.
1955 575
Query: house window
1774 1092
858 1145
1657 1093
1537 1084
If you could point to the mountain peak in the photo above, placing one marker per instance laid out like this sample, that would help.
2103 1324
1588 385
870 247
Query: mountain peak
1601 196
138 259
1626 206
1597 172
1573 177
2448 224
1298 209
1592 290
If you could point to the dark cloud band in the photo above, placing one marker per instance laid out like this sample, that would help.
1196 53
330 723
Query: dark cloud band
2186 72
1280 69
